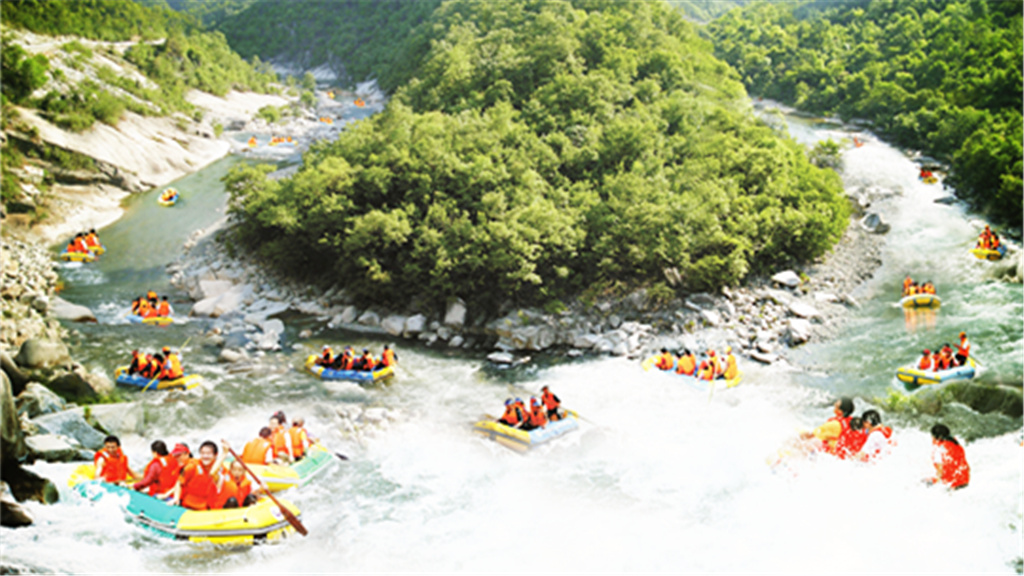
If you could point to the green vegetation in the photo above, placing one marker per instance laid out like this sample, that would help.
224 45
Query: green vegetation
22 75
178 56
942 77
362 37
538 150
272 114
705 10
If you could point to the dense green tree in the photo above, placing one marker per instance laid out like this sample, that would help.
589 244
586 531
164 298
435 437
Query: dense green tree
942 77
539 149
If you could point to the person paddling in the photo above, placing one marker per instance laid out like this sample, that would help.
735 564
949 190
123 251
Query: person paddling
551 404
513 416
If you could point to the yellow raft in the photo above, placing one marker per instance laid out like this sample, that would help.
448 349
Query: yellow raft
521 440
921 301
259 523
989 254
78 256
278 477
930 180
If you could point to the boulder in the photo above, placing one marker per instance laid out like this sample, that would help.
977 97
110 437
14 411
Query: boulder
501 357
825 297
585 341
119 419
614 321
987 399
369 318
777 296
533 337
38 353
12 441
702 299
393 324
65 310
872 222
348 315
37 400
456 341
712 317
229 356
787 278
27 485
51 448
17 378
12 514
213 288
231 300
71 424
268 341
803 310
763 357
799 331
272 326
40 303
204 307
79 384
455 316
414 325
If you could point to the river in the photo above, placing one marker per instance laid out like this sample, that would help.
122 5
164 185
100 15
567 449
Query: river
660 477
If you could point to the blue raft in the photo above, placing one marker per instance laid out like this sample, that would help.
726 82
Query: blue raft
913 377
352 375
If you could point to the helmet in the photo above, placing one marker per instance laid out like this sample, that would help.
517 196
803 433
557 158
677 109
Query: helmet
519 400
326 347
508 401
165 349
926 352
728 349
711 353
533 401
366 350
963 334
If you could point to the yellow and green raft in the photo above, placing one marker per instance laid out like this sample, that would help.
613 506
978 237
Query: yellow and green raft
278 477
256 524
521 440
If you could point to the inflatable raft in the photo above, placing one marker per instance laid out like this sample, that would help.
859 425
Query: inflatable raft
98 249
988 254
256 524
77 256
353 375
703 385
921 301
913 377
151 321
278 477
521 440
186 382
170 201
930 180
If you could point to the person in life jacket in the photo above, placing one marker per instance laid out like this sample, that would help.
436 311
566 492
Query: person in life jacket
937 359
308 438
279 437
161 473
111 463
151 296
138 361
148 366
731 368
73 246
828 433
365 362
233 488
907 283
715 362
345 361
706 371
928 288
985 237
535 418
136 305
926 360
551 403
387 357
91 239
298 438
182 455
950 462
164 308
326 357
197 485
686 364
665 360
879 441
171 369
963 350
146 309
945 358
513 416
259 450
852 439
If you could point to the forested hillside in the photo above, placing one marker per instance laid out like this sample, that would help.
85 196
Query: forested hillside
541 150
942 77
363 37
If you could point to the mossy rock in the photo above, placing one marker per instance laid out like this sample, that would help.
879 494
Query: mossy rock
988 398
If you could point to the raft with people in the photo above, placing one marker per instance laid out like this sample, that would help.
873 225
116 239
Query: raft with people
523 440
77 256
347 366
279 477
255 524
914 377
185 382
168 197
150 321
374 375
701 373
989 246
921 301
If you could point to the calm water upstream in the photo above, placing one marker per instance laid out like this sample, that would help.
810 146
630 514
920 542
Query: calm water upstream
659 478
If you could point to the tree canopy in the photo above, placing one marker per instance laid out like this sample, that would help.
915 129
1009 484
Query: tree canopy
539 149
943 77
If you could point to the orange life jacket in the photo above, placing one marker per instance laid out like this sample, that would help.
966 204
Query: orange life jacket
82 247
255 452
925 363
964 348
906 285
281 440
844 422
687 365
512 415
388 358
297 435
151 295
731 369
172 368
551 402
198 487
326 358
163 309
111 467
537 416
955 470
92 240
707 372
665 362
166 478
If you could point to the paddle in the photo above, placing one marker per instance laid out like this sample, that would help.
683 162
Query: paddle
291 518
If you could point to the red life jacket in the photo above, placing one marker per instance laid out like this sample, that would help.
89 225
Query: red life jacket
955 471
163 309
665 362
166 478
964 348
111 468
388 358
512 415
551 402
850 442
844 422
198 488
